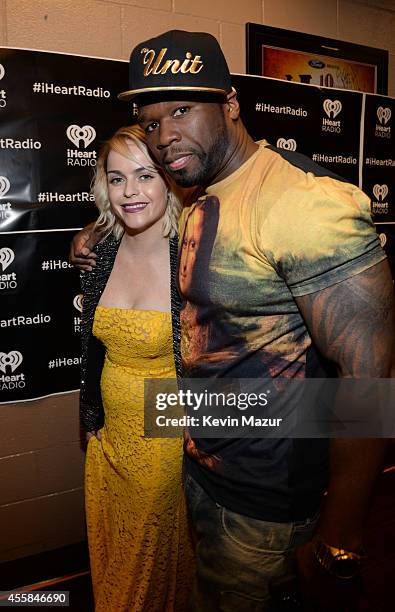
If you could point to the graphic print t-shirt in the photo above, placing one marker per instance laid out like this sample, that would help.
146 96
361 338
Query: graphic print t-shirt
278 228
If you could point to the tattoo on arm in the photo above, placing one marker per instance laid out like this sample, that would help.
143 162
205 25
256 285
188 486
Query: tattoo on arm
352 322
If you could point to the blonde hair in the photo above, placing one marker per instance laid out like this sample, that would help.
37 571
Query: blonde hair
107 222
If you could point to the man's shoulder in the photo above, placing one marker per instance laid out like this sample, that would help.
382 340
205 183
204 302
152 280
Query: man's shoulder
289 176
294 184
294 163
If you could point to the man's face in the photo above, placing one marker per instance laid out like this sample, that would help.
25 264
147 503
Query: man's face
189 139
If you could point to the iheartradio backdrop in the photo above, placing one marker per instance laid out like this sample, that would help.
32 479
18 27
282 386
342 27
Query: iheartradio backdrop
55 111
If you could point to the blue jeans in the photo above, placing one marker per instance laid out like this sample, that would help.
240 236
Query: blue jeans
237 556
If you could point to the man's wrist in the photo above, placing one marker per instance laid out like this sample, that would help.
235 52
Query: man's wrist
338 561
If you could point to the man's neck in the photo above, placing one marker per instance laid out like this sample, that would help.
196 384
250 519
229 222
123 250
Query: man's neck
241 150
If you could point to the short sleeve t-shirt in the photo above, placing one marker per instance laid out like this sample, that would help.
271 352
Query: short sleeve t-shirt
278 228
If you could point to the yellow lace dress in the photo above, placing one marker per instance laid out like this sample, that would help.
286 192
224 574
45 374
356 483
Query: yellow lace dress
139 542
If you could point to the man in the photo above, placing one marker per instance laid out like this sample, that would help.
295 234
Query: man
294 274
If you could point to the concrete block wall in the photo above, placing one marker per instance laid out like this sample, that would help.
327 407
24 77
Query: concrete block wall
41 462
41 476
110 28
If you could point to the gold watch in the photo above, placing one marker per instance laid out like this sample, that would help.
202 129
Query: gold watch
339 562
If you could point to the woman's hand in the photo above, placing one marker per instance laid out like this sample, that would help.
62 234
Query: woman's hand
94 433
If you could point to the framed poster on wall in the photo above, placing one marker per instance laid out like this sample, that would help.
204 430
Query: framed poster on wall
305 58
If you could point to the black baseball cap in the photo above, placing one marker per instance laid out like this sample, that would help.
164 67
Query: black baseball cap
177 62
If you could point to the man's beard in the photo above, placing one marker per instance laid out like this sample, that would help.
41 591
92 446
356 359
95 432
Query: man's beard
210 163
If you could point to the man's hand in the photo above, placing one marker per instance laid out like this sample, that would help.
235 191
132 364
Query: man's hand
321 591
81 254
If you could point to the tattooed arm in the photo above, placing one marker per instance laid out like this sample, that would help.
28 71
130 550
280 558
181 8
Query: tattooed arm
352 324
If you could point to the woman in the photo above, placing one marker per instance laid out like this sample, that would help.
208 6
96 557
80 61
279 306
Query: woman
137 529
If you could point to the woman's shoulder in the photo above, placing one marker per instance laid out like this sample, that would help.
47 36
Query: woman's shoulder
108 245
106 251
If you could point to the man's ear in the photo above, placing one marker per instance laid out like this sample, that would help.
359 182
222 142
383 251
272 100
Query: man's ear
232 105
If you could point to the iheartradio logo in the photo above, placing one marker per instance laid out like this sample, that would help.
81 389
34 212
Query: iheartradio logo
288 145
77 302
13 359
76 134
7 256
380 192
332 107
4 186
383 239
383 115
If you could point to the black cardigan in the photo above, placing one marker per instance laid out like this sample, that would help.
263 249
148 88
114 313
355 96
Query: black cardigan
93 351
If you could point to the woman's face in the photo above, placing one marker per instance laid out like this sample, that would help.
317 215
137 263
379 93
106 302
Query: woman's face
137 192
